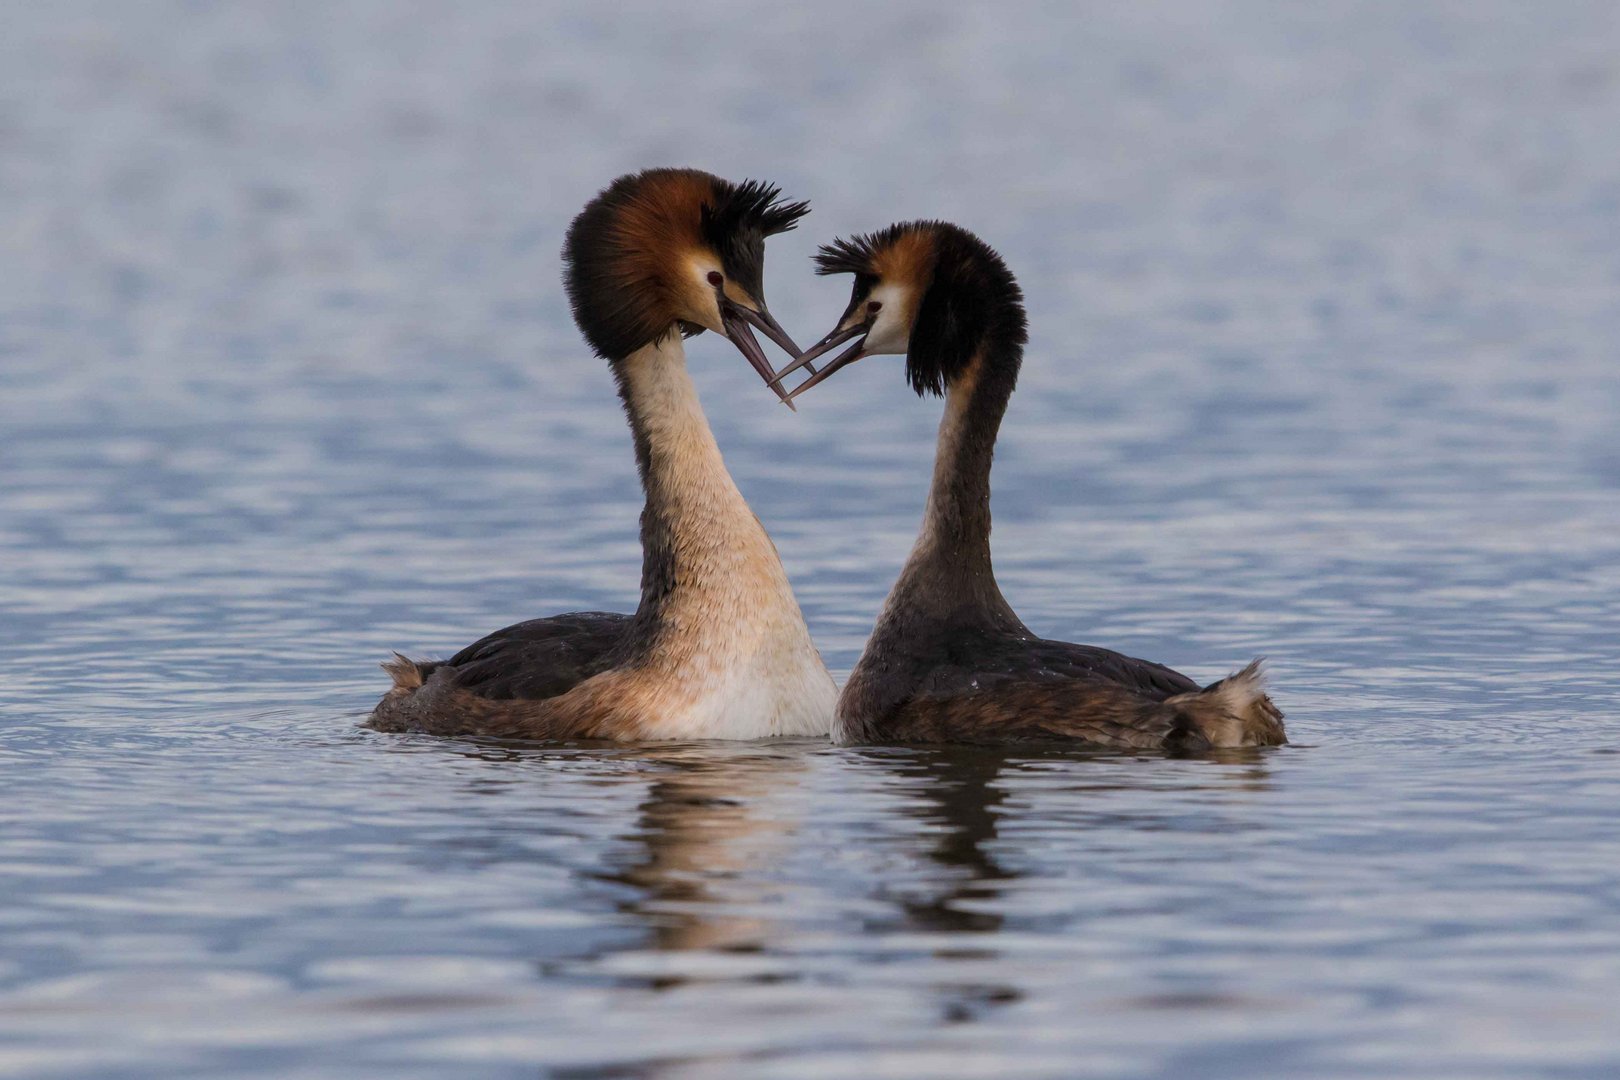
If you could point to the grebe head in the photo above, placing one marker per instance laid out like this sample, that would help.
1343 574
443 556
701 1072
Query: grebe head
676 249
928 290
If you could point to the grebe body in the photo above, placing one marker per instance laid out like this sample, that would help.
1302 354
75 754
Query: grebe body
949 660
717 647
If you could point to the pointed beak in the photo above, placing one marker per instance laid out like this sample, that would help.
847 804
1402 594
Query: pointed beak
855 352
737 319
767 324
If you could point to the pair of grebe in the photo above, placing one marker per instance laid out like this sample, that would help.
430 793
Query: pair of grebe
717 647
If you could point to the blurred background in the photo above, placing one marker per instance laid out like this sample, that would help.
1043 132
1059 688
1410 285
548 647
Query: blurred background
1324 312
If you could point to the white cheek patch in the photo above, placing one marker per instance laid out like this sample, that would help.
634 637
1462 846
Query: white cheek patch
701 299
892 330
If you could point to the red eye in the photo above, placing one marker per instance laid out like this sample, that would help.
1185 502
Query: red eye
715 279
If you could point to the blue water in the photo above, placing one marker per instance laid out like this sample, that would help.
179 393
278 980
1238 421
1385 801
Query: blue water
1324 305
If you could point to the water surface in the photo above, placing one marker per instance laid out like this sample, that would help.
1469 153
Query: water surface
1323 367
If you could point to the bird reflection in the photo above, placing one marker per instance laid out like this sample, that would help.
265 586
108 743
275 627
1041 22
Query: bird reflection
961 799
961 791
959 787
712 825
708 874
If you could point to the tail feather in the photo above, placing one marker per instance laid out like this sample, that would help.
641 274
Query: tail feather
1232 712
407 674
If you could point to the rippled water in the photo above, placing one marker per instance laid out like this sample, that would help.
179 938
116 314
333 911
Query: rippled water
1325 310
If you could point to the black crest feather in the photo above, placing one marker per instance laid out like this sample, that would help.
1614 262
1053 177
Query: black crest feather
752 204
856 254
737 222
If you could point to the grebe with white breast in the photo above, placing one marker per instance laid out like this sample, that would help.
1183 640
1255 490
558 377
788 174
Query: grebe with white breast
717 647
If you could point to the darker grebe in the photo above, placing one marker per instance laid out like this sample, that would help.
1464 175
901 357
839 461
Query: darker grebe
717 647
949 661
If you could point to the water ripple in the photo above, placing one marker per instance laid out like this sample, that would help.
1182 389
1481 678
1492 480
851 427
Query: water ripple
1322 369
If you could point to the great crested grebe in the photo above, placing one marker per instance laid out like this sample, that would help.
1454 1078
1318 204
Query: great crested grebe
717 647
949 661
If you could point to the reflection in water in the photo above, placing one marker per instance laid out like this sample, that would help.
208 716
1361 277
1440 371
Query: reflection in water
286 381
962 798
963 792
961 795
712 823
1244 767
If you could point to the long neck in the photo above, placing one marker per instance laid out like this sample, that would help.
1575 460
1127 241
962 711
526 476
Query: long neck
703 548
949 572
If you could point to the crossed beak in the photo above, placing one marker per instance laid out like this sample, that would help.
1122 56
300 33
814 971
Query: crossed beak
855 352
737 321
